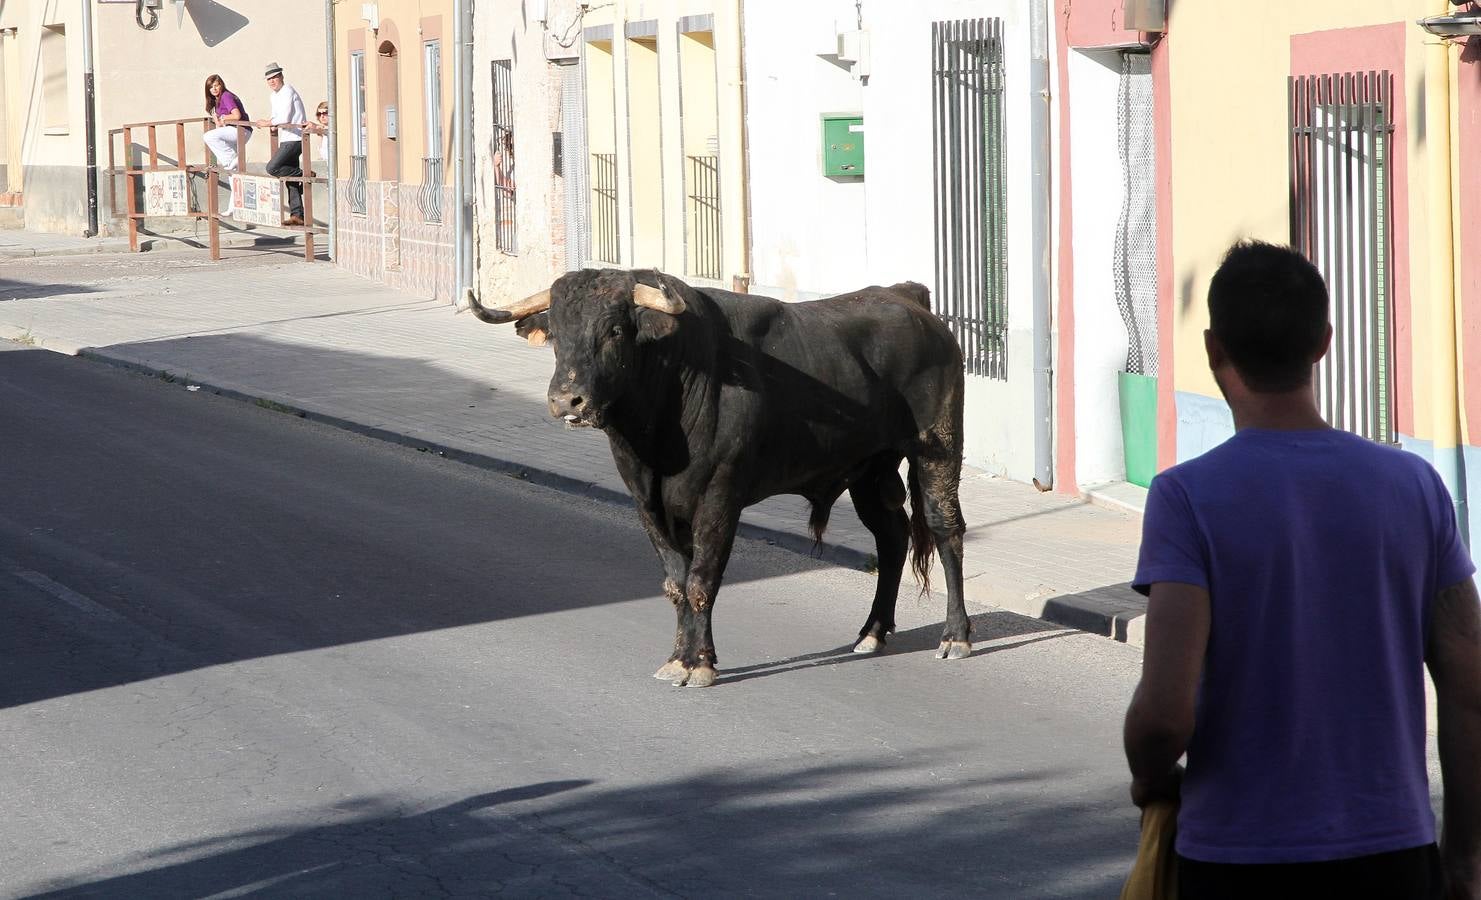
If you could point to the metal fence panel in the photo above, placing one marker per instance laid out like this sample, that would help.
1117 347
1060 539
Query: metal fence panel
604 221
1341 135
505 233
703 199
970 189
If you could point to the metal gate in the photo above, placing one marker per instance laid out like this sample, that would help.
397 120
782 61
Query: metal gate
703 199
971 189
1341 171
505 235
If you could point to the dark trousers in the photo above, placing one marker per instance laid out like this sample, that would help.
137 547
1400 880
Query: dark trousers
1401 875
285 163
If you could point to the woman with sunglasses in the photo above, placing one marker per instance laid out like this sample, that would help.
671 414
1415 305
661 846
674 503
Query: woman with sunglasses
320 127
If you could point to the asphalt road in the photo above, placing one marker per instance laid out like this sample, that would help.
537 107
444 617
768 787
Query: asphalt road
246 654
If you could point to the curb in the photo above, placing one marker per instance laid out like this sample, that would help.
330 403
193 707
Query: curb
152 243
1099 617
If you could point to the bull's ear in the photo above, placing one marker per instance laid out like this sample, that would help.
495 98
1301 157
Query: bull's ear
655 326
534 329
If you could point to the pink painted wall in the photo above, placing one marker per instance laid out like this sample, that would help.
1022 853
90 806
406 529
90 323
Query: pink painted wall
1167 409
1377 48
1064 425
1468 291
1095 23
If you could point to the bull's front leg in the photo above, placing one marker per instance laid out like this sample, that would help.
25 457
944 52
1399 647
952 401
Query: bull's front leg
715 523
675 574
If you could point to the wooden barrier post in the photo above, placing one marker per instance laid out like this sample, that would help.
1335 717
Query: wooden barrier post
128 180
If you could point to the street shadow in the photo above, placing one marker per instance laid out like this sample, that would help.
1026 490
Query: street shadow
880 827
13 289
212 536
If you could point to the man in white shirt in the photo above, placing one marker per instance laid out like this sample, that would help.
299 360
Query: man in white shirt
287 110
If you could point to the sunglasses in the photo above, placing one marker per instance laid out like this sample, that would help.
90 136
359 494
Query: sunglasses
322 112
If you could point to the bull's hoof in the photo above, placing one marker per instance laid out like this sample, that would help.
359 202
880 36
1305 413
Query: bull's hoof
954 650
869 644
673 670
701 676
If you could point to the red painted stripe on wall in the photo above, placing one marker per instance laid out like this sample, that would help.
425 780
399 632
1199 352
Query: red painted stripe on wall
1468 291
1064 381
1167 413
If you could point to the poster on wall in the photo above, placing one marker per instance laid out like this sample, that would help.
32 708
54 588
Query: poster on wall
165 194
257 200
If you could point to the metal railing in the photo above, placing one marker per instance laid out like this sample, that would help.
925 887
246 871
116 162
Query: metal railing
355 189
429 198
703 199
970 179
166 187
605 233
1342 132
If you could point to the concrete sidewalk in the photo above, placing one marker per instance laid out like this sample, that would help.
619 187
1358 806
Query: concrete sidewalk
313 340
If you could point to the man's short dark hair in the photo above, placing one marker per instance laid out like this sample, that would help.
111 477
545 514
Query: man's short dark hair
1267 306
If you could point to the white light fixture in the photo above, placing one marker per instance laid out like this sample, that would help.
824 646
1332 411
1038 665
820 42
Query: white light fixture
1452 26
179 13
371 13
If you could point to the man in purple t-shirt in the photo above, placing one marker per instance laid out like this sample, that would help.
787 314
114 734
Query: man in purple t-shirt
1299 578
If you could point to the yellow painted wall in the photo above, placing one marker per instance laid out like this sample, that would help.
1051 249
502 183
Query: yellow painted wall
1230 163
673 102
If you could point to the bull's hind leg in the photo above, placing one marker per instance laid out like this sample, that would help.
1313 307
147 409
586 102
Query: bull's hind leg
938 478
879 499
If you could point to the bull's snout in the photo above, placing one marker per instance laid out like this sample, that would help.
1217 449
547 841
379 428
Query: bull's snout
567 405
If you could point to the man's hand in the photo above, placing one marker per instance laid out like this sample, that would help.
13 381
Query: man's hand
1168 787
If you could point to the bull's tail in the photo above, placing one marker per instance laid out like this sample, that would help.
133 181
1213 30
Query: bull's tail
915 292
922 542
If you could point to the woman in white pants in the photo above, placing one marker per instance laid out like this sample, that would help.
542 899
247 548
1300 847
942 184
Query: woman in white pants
225 109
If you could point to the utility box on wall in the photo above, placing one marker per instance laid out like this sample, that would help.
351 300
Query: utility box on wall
843 145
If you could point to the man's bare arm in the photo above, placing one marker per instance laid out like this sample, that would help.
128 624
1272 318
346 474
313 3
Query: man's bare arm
1159 722
1454 657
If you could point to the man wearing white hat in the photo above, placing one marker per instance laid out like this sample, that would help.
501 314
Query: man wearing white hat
287 108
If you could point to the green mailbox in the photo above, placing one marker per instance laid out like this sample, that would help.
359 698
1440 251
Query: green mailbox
843 144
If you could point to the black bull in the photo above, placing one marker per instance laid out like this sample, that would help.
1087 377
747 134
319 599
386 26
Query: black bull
714 401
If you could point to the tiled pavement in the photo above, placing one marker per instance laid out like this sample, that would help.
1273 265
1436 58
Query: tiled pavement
344 350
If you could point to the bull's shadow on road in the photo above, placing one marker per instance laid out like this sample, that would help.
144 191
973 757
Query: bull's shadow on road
200 531
867 827
992 632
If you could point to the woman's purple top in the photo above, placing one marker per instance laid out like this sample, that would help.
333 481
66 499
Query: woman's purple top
228 102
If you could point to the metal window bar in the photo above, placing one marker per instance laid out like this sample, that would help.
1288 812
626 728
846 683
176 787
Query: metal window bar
703 199
1340 153
970 189
605 236
505 234
355 190
429 197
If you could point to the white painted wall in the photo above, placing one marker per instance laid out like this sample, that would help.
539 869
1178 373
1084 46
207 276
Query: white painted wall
1100 333
1000 427
507 32
810 237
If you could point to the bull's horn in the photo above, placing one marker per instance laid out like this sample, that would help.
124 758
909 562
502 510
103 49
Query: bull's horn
661 300
500 315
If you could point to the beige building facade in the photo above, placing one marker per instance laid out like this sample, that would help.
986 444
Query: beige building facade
148 68
392 112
